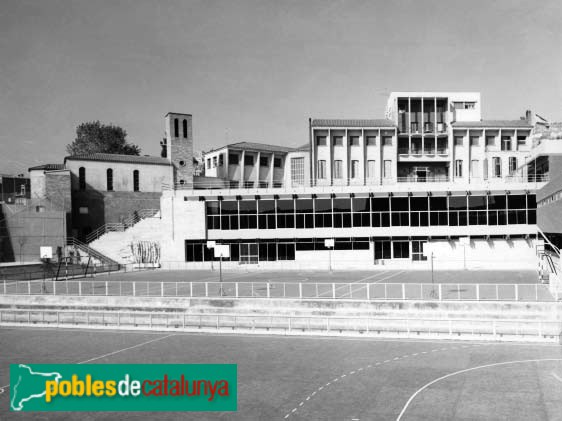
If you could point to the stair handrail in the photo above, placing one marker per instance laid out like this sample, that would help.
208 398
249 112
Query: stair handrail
71 241
556 249
128 222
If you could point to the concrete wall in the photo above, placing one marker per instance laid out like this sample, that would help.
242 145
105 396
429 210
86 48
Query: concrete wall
103 207
183 220
23 233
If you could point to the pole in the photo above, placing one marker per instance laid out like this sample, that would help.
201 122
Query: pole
220 275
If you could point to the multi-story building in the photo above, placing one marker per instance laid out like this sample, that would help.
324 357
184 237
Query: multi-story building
432 178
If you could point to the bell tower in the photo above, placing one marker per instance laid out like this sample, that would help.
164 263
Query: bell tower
179 147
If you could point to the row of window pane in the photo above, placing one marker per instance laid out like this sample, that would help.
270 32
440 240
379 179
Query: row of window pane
353 140
371 212
268 249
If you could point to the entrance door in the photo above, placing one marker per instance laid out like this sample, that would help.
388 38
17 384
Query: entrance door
249 253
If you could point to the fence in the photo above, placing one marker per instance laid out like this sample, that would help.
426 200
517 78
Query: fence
287 290
532 329
37 272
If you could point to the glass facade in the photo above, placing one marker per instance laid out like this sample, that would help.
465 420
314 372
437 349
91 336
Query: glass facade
348 212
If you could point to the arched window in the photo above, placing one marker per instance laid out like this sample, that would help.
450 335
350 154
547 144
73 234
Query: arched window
136 180
185 129
176 128
109 179
82 178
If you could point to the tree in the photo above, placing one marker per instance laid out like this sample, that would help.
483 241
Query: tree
95 137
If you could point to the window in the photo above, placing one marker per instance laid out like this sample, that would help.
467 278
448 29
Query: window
136 180
338 140
221 160
512 165
109 177
263 161
208 163
521 141
497 167
417 250
277 162
458 168
401 249
474 140
387 140
387 172
321 169
371 140
184 129
82 178
83 210
297 171
354 169
214 161
371 169
354 140
337 168
469 105
490 140
474 170
176 128
233 159
506 143
458 140
248 160
321 141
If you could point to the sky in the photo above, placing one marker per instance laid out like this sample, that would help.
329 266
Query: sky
257 70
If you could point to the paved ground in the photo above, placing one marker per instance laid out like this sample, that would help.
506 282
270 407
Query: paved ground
309 378
380 276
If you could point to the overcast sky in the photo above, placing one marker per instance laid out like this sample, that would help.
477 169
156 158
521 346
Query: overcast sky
257 70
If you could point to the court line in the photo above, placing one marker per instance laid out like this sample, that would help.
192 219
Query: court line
466 370
556 377
388 277
2 388
372 276
358 370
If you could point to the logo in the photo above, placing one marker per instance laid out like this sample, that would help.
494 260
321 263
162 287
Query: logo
123 387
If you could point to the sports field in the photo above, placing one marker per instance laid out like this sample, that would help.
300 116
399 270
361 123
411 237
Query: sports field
372 276
310 378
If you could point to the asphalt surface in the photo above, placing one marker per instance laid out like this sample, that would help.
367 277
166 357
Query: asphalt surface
310 378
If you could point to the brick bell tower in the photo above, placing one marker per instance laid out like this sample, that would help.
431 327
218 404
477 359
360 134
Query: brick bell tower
179 147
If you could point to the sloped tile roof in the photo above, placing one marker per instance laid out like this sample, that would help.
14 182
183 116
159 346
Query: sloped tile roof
47 167
381 122
131 159
495 124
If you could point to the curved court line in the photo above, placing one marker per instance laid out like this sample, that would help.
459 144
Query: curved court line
465 371
374 365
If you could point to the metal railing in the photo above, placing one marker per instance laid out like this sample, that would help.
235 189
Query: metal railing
283 290
89 251
326 183
56 271
134 218
287 324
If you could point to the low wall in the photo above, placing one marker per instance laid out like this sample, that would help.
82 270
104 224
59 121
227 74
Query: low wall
313 307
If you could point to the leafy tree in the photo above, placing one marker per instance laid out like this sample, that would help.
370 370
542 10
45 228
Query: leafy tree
95 137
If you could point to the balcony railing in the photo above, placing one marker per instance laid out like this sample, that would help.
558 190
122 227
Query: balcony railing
360 181
427 151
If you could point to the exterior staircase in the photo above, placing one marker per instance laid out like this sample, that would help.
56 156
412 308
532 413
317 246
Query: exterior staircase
117 243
